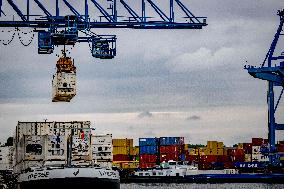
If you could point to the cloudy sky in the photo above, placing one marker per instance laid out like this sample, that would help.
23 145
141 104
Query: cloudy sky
187 83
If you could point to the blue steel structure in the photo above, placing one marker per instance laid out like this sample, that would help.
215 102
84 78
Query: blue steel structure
56 29
272 70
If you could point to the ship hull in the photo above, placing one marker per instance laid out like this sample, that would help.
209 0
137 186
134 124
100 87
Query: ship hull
76 177
79 183
208 178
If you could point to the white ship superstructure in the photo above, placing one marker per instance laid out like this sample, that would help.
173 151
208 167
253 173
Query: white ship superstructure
63 153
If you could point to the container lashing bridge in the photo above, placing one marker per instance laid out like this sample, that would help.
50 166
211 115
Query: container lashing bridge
55 29
272 70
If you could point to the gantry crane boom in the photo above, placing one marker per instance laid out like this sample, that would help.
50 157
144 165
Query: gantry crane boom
57 29
272 70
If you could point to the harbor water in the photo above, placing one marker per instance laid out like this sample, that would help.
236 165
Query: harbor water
201 186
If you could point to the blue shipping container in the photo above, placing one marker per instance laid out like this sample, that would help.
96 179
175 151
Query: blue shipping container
148 150
169 141
148 141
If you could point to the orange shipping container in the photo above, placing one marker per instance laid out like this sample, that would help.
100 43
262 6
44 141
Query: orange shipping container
122 142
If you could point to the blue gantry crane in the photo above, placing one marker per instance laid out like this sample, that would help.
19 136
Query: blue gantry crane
56 29
272 70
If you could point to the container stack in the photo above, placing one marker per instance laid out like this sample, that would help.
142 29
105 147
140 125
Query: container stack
247 147
102 150
64 80
148 152
121 149
257 144
280 147
38 144
172 148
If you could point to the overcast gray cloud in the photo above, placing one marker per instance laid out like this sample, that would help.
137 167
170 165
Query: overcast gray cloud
173 74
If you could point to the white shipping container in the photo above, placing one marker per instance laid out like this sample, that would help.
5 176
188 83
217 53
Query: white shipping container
63 86
102 139
47 128
255 149
24 165
6 158
104 164
30 148
81 146
103 148
56 148
103 156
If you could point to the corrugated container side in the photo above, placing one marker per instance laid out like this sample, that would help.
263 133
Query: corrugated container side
257 141
130 165
191 158
238 158
81 148
102 149
248 148
280 148
212 144
134 151
56 148
102 139
121 150
210 151
63 86
169 156
148 158
148 141
220 151
146 165
121 157
169 141
220 145
148 149
122 142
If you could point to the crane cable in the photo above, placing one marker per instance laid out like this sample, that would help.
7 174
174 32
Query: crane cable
9 41
25 33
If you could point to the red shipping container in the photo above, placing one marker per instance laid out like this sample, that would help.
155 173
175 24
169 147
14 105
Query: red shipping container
281 142
265 141
204 166
121 157
192 158
247 148
223 159
208 158
171 149
169 156
147 165
148 158
280 148
238 158
257 141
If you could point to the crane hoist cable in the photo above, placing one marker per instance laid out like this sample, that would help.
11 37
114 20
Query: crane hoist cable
25 33
9 41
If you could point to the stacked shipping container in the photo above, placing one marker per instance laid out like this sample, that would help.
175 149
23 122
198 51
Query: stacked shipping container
171 148
6 158
148 152
102 150
257 145
39 144
121 149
